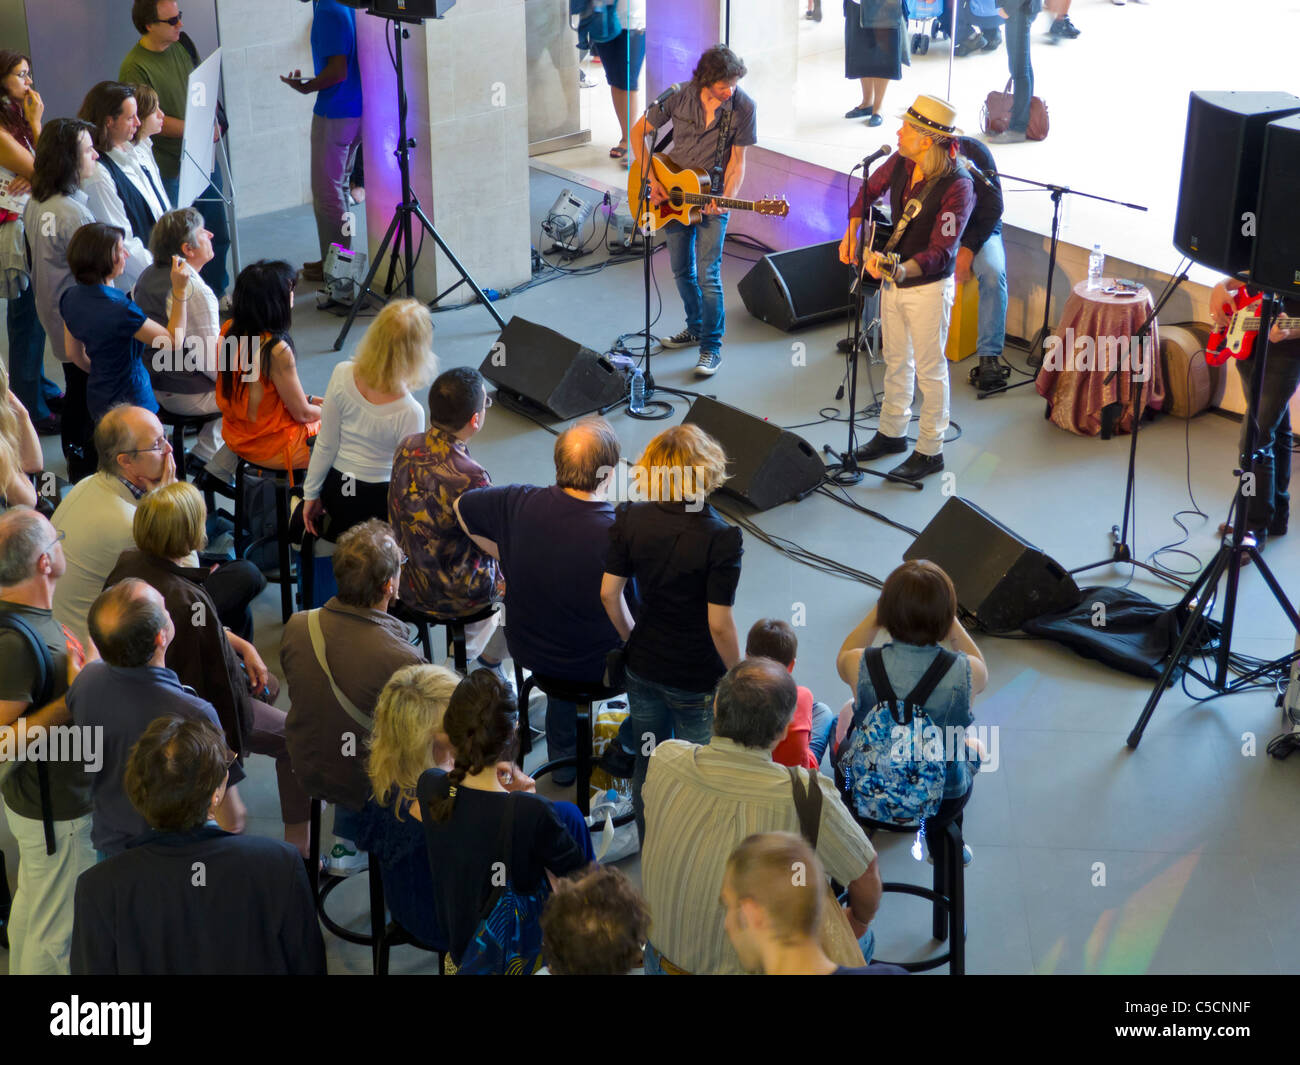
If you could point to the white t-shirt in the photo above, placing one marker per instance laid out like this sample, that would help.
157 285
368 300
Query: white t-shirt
356 436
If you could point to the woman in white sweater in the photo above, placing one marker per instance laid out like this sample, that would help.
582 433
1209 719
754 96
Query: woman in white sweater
368 410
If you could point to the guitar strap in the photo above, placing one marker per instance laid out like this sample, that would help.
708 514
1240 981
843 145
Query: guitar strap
911 209
724 125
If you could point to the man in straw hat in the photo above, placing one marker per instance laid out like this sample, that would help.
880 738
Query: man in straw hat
930 199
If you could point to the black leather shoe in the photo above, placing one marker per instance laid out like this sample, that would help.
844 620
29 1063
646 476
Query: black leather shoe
916 466
993 43
880 444
971 44
617 762
844 344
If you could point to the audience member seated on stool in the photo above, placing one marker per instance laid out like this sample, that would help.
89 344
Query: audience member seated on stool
448 574
146 912
701 802
774 891
810 729
267 418
367 412
462 812
64 157
96 516
407 739
552 544
121 694
595 925
108 335
918 609
982 257
20 449
686 562
364 646
219 665
185 385
40 924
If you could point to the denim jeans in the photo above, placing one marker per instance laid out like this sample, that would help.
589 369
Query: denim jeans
990 270
657 712
695 253
1271 502
209 205
1022 73
27 356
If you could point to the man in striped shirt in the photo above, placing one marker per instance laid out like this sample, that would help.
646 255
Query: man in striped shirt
702 802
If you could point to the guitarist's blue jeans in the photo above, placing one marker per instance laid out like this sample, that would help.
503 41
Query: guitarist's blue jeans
1270 506
696 255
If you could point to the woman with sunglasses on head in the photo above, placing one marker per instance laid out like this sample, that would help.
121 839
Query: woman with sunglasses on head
21 110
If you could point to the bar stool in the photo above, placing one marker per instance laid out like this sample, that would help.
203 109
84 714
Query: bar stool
322 885
455 629
284 481
392 933
179 424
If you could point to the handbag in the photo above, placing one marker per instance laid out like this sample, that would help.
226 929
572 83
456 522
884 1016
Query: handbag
995 116
836 934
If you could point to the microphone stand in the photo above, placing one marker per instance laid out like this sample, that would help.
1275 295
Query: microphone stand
1040 338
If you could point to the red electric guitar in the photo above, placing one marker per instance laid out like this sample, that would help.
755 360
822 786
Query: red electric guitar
1238 340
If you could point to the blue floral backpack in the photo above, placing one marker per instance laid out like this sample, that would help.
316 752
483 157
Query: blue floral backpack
886 765
508 939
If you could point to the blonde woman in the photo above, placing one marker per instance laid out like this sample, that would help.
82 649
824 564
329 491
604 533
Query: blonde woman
407 739
686 562
367 412
20 449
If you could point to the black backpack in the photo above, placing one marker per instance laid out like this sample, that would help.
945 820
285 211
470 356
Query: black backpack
44 692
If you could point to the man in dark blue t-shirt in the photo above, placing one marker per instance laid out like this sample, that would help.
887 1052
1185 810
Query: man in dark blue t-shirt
335 123
552 544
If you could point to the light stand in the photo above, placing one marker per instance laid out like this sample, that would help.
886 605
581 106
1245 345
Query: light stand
1234 549
399 235
1036 345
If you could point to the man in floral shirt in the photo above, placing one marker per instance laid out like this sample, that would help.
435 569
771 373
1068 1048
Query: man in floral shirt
446 573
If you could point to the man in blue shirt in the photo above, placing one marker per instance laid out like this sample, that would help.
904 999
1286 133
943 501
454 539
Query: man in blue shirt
335 123
121 694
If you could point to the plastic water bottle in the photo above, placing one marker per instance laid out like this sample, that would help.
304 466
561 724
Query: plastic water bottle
1096 263
636 395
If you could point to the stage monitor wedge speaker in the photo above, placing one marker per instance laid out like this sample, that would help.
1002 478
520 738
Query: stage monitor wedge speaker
1275 262
548 370
408 10
804 286
767 465
1001 579
1222 157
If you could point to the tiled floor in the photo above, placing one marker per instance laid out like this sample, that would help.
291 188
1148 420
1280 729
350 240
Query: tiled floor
1180 856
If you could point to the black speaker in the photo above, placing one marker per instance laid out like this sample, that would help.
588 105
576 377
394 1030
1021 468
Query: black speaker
1275 263
1000 578
1222 154
766 465
792 289
546 369
408 10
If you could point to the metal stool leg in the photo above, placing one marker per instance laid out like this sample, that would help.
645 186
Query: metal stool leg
583 780
241 517
313 849
378 920
282 536
457 630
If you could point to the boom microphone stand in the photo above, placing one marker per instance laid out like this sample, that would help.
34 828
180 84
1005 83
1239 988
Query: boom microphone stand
1235 549
1040 338
400 229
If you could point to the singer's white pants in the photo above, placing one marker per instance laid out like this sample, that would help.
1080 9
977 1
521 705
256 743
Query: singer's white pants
914 324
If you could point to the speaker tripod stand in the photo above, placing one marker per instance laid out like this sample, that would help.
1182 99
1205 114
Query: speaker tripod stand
398 239
1236 549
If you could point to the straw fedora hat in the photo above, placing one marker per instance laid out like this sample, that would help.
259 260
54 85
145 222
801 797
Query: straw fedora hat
934 115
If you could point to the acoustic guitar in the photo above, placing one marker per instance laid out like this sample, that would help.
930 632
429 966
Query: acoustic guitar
688 192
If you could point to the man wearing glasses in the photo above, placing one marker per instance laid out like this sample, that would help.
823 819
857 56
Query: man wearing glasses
163 59
97 514
53 836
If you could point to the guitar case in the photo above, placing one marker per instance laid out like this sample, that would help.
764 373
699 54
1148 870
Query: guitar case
1191 384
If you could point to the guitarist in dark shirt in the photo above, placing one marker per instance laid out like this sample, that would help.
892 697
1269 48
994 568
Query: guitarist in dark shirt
713 123
1268 509
931 199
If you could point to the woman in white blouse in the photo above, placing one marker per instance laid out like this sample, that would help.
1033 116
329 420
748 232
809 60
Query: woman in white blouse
368 410
136 157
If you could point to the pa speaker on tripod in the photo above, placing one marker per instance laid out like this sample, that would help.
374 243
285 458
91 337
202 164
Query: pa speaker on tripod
766 465
548 370
792 289
1275 261
408 10
1222 156
1000 578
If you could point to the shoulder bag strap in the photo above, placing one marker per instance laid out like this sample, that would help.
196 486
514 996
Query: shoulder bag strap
44 691
318 645
808 805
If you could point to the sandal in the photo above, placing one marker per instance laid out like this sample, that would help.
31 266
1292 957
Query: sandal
619 151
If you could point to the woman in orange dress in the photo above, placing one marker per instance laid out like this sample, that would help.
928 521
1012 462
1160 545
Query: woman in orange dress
267 418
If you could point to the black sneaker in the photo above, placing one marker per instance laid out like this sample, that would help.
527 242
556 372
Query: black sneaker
971 44
992 43
617 762
1063 27
684 339
708 364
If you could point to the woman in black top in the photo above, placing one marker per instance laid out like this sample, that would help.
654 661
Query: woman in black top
686 561
462 812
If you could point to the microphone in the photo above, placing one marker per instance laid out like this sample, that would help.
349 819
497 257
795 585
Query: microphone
879 153
658 100
976 171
